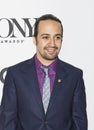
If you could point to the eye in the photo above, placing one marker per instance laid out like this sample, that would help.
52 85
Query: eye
58 38
45 37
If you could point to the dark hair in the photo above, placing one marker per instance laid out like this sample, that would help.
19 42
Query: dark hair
46 17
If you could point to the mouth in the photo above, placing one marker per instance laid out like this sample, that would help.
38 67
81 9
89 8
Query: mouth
51 50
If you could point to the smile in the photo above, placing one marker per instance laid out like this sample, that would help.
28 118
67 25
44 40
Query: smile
51 50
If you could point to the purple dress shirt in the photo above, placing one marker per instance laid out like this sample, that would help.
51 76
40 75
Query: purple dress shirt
40 74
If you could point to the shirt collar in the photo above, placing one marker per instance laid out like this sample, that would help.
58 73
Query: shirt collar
52 65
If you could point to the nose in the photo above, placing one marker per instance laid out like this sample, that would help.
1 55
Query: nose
52 42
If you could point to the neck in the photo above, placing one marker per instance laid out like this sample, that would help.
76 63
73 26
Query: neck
44 61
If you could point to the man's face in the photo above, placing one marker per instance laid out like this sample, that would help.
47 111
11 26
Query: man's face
49 39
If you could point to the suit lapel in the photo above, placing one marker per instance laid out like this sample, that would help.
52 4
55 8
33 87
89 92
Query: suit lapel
31 77
58 84
30 71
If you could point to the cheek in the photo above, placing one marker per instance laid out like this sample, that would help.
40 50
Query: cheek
58 45
40 46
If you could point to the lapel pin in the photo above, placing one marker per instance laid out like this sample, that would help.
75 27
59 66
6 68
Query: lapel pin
59 80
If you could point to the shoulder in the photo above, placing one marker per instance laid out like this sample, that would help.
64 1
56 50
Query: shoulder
20 66
70 68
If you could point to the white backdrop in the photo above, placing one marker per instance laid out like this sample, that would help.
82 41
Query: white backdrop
77 48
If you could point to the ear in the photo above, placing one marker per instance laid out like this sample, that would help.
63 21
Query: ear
62 39
34 40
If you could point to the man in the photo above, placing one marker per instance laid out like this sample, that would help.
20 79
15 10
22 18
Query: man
44 93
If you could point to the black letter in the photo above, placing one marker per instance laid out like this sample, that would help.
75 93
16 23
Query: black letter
10 28
18 26
26 21
2 74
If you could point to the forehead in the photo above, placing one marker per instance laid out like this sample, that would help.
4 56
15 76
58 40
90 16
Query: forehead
49 25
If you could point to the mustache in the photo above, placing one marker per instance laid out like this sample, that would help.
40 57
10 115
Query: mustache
55 47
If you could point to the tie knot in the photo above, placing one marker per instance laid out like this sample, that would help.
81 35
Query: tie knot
45 69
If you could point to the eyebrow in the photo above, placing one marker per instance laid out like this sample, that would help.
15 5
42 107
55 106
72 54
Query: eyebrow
44 34
49 34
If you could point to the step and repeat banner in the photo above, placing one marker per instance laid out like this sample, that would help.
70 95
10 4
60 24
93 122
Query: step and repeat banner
15 43
17 20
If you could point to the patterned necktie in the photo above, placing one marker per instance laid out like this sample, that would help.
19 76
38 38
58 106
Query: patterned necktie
46 89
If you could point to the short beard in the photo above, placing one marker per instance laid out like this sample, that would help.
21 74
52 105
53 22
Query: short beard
47 57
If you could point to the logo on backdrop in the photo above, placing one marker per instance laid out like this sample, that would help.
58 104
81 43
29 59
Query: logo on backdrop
13 30
3 74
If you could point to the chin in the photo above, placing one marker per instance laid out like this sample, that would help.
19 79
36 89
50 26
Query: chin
50 57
